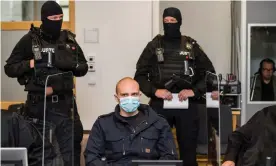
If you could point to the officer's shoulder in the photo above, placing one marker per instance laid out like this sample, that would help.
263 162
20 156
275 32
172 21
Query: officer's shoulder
25 39
190 39
105 116
155 41
157 37
69 34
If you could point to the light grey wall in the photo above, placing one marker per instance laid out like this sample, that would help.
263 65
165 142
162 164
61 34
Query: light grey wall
124 31
258 12
10 88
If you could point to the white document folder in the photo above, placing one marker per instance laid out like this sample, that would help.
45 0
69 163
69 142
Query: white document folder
175 103
210 103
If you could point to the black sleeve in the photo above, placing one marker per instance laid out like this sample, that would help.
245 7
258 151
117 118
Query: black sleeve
19 61
203 64
143 68
82 66
95 146
241 137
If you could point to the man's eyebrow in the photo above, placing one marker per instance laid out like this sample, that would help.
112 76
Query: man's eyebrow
133 93
123 93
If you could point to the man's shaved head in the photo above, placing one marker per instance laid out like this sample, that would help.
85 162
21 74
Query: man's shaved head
128 96
127 84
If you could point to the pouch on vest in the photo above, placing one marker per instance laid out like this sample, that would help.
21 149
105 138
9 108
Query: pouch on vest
159 51
66 53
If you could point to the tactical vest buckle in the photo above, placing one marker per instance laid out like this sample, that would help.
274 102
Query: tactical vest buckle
55 99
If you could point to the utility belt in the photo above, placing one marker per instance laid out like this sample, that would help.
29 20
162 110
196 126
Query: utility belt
55 98
62 103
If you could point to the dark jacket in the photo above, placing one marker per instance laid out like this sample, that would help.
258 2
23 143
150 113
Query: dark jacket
115 140
18 64
148 59
257 96
250 144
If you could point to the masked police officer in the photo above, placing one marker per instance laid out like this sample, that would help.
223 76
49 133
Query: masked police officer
173 63
46 51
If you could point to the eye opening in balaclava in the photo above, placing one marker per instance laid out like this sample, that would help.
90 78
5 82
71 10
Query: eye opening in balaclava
172 30
51 27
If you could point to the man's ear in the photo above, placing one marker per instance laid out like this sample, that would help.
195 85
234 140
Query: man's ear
116 98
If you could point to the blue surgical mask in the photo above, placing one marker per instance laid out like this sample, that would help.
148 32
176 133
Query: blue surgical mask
129 104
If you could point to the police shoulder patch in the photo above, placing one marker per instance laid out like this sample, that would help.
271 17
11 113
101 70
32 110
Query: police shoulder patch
194 42
190 40
189 45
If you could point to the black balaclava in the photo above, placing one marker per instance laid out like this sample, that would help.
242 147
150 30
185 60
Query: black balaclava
172 30
52 28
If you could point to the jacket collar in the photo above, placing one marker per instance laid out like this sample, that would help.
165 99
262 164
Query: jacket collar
150 115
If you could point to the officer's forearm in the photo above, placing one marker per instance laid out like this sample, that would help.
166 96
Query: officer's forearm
199 88
169 84
17 69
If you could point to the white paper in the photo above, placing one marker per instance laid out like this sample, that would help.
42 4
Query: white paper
210 103
175 103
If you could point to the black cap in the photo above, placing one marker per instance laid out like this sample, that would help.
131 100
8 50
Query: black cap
173 12
50 8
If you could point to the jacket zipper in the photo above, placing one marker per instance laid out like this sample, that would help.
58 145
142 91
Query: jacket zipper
142 144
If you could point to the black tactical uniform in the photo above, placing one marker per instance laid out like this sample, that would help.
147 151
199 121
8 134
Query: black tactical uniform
161 66
54 51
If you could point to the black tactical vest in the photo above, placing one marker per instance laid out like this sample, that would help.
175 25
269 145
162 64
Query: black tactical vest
45 55
170 65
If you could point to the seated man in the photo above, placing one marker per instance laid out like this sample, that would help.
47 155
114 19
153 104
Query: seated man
263 84
132 132
252 143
